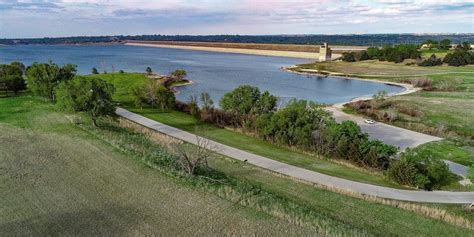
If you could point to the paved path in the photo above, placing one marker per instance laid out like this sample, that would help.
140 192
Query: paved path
304 174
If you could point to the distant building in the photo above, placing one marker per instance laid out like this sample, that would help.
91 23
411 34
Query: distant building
325 53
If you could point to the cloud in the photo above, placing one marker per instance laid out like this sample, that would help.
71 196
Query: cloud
236 16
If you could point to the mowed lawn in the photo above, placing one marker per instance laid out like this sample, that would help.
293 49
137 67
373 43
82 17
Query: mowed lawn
57 179
124 82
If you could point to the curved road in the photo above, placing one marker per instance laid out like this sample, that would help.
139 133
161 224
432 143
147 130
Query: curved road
303 174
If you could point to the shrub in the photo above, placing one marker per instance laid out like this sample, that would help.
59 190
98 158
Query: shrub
93 96
431 61
459 58
348 57
419 169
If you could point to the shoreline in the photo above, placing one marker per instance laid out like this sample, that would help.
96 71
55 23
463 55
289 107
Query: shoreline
259 52
175 88
408 88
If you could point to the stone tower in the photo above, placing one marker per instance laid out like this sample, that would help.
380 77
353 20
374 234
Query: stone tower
325 52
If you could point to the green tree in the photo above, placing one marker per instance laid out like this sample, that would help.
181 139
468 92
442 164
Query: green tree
206 101
348 57
445 44
90 95
138 96
19 65
373 52
44 77
194 107
11 78
179 74
149 71
364 56
246 100
165 98
95 71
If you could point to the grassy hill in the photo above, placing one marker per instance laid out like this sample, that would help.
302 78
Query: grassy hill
61 176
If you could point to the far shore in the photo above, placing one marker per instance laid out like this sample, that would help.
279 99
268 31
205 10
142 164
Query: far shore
274 53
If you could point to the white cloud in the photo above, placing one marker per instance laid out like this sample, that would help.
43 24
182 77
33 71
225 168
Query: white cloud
234 16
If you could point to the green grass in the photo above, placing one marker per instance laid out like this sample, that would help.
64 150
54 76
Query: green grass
244 142
60 177
450 150
440 53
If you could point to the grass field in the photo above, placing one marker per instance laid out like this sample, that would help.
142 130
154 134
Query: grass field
238 140
61 177
440 53
447 113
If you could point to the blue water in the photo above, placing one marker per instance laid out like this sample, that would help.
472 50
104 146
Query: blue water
216 73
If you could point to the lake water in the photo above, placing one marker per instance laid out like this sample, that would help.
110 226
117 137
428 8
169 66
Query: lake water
216 73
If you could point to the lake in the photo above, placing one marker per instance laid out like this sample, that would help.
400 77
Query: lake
216 73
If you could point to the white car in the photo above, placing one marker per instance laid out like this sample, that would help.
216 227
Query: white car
369 121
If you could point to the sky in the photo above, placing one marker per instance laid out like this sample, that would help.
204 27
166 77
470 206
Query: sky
55 18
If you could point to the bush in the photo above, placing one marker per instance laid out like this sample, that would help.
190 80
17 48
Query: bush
431 61
346 141
459 58
419 169
90 95
348 57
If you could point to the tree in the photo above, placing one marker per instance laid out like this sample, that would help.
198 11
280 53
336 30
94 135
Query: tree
19 65
445 44
150 92
206 101
364 56
138 96
179 74
373 52
44 77
348 57
90 95
165 98
95 71
246 100
149 71
11 78
194 107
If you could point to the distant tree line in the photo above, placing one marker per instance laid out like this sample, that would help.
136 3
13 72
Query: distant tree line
363 40
396 53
